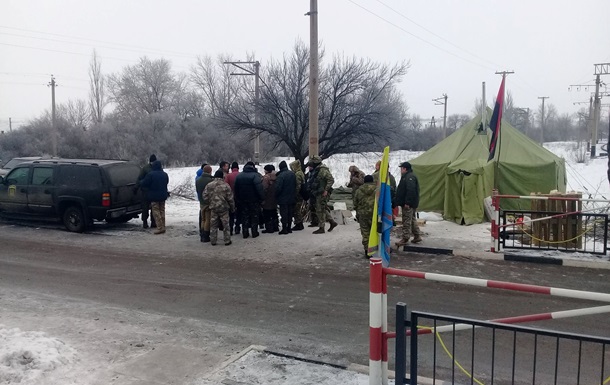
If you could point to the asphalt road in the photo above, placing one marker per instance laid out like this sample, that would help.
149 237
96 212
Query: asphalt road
315 310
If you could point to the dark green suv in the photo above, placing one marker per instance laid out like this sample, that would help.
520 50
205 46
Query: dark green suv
75 191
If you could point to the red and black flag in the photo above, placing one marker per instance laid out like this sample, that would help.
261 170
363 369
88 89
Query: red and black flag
496 121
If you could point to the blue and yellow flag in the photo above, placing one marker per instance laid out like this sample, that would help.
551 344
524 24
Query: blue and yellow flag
379 240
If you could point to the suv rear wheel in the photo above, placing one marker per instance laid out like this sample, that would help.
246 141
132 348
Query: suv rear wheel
74 219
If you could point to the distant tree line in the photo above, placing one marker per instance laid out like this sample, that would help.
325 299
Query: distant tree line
209 115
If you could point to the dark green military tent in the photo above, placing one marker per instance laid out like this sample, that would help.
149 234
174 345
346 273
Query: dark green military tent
455 176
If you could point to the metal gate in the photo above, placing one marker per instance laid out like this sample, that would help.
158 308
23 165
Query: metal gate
558 232
487 353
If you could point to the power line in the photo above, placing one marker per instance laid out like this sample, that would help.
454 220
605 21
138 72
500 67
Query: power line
82 54
192 56
95 41
419 38
435 34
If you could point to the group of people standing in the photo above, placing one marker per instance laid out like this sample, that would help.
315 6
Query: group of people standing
243 202
404 196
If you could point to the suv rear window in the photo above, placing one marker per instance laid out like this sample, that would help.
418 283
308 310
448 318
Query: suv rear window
123 174
82 176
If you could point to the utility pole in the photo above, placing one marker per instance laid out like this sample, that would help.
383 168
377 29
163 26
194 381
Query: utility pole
442 101
313 77
52 84
542 120
504 73
256 73
600 69
10 125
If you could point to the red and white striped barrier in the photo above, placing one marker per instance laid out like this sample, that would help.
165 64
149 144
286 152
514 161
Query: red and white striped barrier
375 322
378 333
521 319
568 293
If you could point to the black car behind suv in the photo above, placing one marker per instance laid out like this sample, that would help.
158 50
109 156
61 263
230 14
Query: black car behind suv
76 191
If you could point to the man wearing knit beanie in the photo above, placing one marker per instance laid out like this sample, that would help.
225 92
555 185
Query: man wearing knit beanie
285 194
145 203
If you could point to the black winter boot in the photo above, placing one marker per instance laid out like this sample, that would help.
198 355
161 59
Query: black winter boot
245 233
206 236
298 226
254 232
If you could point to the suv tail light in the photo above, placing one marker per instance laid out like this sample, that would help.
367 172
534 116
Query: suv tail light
106 199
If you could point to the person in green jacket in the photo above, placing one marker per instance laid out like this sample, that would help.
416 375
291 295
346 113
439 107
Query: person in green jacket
321 188
407 197
364 203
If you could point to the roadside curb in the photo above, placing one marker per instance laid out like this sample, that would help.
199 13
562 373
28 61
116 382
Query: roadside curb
510 256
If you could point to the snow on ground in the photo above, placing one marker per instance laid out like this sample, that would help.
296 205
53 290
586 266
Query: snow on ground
34 357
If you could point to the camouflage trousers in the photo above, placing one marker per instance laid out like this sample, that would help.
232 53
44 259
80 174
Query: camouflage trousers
158 212
205 215
216 219
322 209
366 222
297 213
409 224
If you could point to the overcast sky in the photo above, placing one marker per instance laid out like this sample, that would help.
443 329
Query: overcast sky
453 46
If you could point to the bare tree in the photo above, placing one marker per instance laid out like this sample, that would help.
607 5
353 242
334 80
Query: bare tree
75 112
97 89
146 88
213 79
359 105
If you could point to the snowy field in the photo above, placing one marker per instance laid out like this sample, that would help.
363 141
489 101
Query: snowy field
28 357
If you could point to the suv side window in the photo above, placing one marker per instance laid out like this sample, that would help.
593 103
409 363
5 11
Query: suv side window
80 176
18 176
42 176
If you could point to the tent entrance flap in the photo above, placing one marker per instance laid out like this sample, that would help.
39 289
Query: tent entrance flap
464 197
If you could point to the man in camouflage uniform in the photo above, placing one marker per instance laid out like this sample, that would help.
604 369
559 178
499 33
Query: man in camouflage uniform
321 188
297 213
364 203
218 196
205 215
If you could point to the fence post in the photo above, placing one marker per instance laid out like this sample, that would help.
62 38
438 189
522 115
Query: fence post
495 221
384 328
375 321
401 343
413 354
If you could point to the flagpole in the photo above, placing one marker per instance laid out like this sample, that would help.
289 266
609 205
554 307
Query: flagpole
502 106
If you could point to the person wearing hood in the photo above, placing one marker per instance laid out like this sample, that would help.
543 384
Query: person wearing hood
321 188
364 203
301 189
155 183
356 179
219 198
269 204
145 202
204 209
285 195
234 217
249 194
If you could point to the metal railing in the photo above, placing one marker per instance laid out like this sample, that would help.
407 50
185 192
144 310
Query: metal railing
583 232
488 353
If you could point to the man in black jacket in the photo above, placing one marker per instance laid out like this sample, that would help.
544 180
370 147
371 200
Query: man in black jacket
155 183
407 197
285 194
249 195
